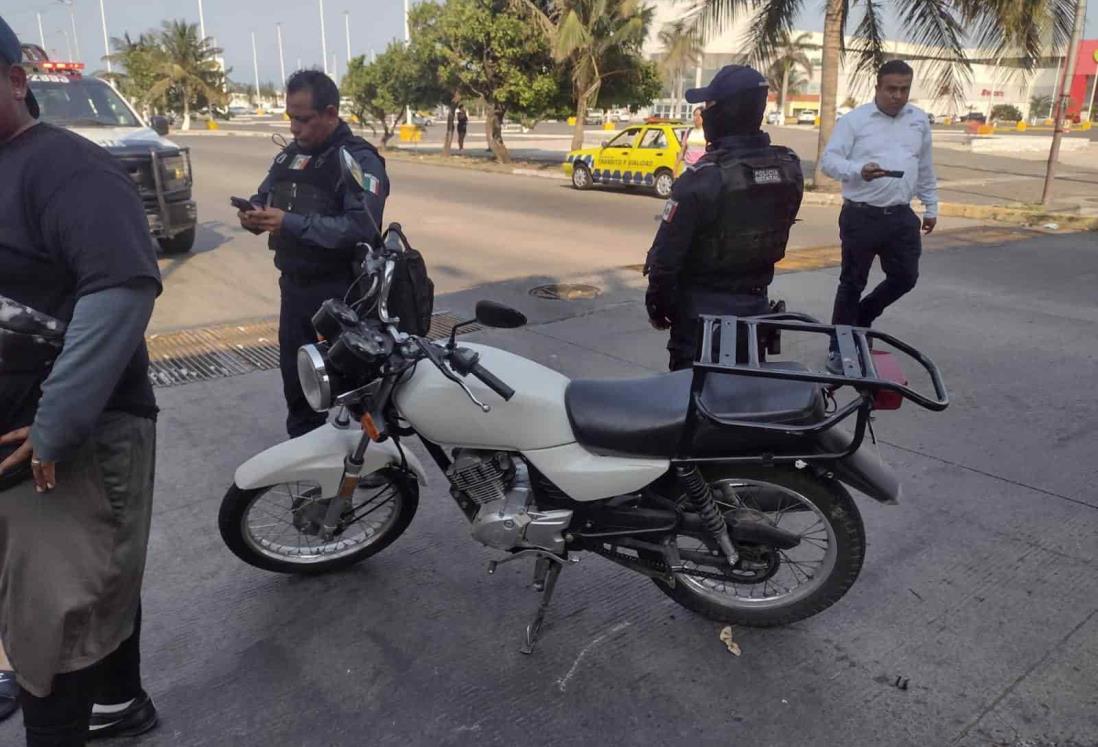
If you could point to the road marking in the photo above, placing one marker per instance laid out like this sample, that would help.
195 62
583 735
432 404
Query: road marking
562 683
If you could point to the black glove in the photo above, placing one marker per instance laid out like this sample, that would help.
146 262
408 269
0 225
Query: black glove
659 308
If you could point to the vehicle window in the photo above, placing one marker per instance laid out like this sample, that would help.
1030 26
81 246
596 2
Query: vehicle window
625 139
654 138
82 103
680 133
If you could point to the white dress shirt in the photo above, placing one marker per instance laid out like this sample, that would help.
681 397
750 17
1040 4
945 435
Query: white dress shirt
900 143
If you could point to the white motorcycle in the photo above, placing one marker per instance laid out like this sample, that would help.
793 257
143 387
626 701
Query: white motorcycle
724 484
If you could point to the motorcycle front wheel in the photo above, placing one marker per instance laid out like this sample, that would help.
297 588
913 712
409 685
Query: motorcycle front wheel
771 586
279 527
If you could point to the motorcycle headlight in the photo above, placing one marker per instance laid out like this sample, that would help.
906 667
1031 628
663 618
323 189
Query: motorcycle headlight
316 383
175 173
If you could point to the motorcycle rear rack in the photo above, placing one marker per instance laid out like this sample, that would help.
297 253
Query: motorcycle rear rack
859 372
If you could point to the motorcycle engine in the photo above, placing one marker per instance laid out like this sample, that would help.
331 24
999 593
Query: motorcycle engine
493 488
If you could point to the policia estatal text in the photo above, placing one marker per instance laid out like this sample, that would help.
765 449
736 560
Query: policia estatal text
728 219
314 222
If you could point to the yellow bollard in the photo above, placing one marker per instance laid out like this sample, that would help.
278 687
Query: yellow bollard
1021 126
1086 125
211 124
816 123
286 116
608 125
571 121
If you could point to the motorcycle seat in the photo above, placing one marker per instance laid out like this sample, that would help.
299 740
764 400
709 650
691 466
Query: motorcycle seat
646 417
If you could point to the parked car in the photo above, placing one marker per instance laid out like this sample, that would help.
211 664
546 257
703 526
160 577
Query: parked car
774 117
640 156
595 116
624 115
807 116
973 117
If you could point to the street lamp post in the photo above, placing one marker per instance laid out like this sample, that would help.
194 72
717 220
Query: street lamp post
281 61
407 40
255 69
347 29
323 39
41 34
201 20
106 42
72 19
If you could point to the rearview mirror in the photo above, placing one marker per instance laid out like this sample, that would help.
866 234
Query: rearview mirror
159 125
605 143
351 171
492 314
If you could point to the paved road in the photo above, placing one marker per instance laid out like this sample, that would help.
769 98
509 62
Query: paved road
474 228
980 588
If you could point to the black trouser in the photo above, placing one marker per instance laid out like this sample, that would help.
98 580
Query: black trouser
893 234
694 302
301 297
461 138
61 718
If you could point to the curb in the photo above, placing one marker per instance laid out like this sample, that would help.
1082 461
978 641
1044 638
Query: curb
1020 216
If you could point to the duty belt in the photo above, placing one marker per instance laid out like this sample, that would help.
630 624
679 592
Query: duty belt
886 210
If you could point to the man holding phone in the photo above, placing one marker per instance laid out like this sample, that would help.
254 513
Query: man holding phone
881 152
314 222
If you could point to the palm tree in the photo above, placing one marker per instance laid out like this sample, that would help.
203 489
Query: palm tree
1040 106
1025 28
682 49
787 57
788 78
186 69
585 34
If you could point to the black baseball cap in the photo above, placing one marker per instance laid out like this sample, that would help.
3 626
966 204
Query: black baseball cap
729 82
11 53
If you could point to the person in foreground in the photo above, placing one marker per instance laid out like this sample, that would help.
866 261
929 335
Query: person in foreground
728 219
77 429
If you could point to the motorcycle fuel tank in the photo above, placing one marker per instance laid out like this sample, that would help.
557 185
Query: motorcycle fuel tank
535 418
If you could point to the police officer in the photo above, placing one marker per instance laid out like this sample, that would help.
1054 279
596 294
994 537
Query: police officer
728 219
314 221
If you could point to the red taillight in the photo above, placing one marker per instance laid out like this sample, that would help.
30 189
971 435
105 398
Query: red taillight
888 368
62 67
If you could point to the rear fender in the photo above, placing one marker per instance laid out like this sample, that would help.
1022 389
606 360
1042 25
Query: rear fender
318 457
864 470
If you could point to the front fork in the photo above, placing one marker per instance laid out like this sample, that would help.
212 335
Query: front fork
352 472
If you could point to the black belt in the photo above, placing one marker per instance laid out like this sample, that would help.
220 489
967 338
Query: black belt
887 210
314 278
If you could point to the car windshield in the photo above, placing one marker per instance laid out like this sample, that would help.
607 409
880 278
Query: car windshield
625 139
82 103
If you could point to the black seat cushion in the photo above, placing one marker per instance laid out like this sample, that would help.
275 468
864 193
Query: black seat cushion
645 417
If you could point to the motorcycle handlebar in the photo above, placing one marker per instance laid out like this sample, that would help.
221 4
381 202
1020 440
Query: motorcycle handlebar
492 382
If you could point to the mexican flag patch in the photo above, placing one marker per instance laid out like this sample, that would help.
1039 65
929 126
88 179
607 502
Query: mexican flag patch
371 184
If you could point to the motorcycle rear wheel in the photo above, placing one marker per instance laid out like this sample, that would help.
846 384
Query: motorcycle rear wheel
833 526
387 501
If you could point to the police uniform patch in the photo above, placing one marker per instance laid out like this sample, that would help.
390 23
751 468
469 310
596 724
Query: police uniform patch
767 176
300 162
371 184
669 209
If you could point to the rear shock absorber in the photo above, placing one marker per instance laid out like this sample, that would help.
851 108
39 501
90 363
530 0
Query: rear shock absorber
701 498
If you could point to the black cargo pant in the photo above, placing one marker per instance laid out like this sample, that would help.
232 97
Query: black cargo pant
693 302
301 297
893 234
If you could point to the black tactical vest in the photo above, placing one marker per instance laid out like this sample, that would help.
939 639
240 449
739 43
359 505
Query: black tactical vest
761 192
306 184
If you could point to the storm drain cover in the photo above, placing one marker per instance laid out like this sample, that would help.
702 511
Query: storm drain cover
234 349
566 292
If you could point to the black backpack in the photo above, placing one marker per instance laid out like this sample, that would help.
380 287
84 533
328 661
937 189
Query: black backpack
412 294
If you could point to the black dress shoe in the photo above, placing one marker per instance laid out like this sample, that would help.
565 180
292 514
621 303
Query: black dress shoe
137 718
9 694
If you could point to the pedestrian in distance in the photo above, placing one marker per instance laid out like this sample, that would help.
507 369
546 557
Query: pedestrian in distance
78 279
693 144
728 219
462 126
882 154
314 222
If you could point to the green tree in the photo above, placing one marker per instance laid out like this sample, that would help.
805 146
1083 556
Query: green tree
590 36
137 62
438 82
1006 112
495 54
375 91
1040 106
939 28
682 51
788 59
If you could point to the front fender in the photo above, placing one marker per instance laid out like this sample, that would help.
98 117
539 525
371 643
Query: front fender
318 457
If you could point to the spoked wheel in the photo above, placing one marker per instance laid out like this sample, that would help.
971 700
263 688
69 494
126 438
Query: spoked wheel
771 586
280 528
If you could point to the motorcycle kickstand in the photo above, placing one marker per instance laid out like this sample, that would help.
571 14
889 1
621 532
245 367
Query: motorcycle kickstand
545 581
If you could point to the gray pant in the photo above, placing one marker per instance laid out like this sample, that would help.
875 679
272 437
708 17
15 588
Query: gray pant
72 560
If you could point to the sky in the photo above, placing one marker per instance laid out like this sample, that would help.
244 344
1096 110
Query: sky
373 24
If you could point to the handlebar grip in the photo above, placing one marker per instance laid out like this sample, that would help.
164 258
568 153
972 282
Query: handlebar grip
492 382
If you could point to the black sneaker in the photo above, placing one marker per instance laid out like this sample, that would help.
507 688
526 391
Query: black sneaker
137 718
9 694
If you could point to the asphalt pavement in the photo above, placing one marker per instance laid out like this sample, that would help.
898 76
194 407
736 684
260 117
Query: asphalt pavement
980 590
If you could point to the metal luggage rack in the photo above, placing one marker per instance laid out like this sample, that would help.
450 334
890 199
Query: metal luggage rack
859 372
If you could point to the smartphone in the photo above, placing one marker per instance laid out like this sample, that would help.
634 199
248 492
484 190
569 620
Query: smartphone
894 174
241 204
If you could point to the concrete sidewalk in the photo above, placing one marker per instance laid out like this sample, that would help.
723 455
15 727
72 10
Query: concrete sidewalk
980 588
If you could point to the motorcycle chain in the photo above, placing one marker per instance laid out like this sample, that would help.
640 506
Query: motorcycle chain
660 567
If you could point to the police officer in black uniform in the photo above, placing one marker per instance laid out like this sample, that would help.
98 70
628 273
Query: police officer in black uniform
728 219
314 221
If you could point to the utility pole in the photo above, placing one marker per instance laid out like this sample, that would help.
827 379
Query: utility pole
323 39
201 20
106 43
407 40
281 61
347 28
41 34
72 20
1062 101
255 69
